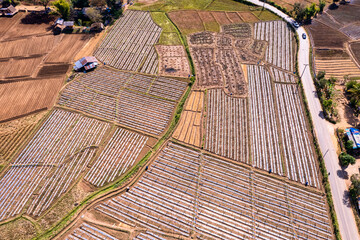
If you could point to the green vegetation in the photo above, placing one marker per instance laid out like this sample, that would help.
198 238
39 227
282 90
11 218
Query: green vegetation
63 8
304 14
230 5
266 16
325 89
168 5
353 91
168 36
212 26
346 159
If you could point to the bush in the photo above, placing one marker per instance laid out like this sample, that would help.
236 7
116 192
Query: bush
346 159
63 8
349 145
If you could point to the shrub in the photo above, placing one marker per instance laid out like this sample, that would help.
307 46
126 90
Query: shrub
346 159
349 145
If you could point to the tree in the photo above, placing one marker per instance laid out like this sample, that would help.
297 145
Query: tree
298 12
94 14
355 186
354 92
346 159
80 3
349 145
322 5
45 3
63 8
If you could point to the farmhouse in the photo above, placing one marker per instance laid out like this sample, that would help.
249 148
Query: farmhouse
68 24
87 63
8 11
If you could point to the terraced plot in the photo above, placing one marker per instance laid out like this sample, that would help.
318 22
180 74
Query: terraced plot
265 141
227 126
137 101
337 68
88 232
280 51
119 154
220 200
130 43
189 128
55 157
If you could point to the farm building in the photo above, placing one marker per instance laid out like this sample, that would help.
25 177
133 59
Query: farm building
353 135
97 27
87 63
8 11
68 24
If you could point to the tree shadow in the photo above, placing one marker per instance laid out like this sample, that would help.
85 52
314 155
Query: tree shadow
346 199
38 18
342 173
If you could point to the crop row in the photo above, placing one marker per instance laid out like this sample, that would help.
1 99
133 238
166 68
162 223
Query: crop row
299 155
265 142
226 127
280 43
88 232
281 76
130 43
118 156
56 155
220 200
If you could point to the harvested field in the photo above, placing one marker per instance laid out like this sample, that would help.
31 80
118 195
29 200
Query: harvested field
234 17
299 154
227 126
220 200
248 17
338 68
209 21
21 30
21 98
173 61
53 159
221 18
355 49
27 47
53 70
280 51
187 21
67 48
137 101
130 43
7 23
19 67
10 142
324 36
189 126
119 155
282 77
265 141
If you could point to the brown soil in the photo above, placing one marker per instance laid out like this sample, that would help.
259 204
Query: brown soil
53 70
355 49
187 21
234 17
324 36
18 229
173 61
20 98
338 68
248 17
15 68
91 45
68 47
221 18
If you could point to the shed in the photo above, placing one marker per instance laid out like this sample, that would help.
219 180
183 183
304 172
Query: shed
8 11
68 24
87 63
59 21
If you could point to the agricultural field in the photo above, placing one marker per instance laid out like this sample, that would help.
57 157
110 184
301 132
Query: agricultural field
169 34
189 129
130 43
173 61
281 44
142 102
25 97
52 160
178 198
227 126
355 49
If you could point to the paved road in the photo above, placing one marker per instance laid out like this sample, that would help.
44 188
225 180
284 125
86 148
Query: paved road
344 213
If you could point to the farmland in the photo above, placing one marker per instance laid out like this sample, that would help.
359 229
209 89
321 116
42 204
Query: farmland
176 196
189 128
130 46
173 61
355 48
137 101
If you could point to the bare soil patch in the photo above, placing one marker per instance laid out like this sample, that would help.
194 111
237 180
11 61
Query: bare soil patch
19 229
68 47
21 98
209 21
18 68
53 70
248 17
173 61
187 21
221 18
355 49
326 37
6 23
234 17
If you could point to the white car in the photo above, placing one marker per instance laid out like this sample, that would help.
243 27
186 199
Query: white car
295 24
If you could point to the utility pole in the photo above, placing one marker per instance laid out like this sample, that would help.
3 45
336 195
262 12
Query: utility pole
306 64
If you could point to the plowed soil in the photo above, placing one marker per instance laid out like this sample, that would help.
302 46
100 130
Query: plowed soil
355 48
325 36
